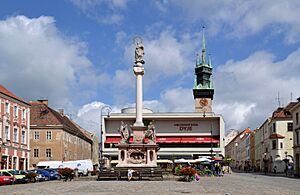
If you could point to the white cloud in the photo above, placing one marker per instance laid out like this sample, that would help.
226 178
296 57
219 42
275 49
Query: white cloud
165 55
246 90
36 60
244 17
103 11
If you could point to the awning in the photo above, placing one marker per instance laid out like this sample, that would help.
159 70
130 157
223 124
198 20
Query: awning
115 140
164 161
168 139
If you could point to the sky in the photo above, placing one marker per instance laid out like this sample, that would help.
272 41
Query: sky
79 55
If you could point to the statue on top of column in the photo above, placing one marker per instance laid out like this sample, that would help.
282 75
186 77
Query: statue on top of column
139 50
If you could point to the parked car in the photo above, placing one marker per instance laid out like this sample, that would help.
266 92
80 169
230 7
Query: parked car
6 178
19 178
47 174
55 172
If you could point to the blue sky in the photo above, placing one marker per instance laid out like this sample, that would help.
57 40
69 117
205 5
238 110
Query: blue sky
79 54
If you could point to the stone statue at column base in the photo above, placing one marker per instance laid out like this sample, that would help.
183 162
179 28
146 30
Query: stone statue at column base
125 133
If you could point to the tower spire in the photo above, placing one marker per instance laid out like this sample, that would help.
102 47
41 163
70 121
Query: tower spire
197 59
209 60
203 46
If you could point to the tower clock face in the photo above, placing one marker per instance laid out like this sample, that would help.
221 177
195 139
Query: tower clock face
203 102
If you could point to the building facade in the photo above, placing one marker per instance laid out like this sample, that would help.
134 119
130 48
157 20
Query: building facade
179 135
236 149
55 137
14 131
296 137
258 149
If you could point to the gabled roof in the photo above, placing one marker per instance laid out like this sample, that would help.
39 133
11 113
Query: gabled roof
284 112
4 91
42 115
246 131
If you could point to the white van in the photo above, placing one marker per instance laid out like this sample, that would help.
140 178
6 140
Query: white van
83 166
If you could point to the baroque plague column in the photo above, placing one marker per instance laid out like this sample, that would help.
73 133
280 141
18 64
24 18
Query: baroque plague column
142 152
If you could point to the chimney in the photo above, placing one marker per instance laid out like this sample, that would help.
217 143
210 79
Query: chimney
44 101
61 111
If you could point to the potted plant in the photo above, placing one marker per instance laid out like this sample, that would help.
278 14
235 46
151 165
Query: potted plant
188 173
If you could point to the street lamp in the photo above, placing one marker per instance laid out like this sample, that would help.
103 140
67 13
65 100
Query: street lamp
286 160
211 144
265 162
108 109
236 151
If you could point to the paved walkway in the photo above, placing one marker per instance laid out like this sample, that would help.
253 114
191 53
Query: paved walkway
235 183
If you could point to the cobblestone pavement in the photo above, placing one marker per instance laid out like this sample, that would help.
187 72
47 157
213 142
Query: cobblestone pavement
236 183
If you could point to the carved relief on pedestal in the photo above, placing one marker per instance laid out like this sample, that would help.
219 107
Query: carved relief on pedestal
136 156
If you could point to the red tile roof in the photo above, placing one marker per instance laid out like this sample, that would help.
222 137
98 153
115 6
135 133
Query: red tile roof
276 136
246 131
284 112
4 91
41 114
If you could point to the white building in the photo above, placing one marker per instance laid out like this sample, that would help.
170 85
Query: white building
179 135
296 137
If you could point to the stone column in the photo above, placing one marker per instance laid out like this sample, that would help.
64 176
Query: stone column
139 72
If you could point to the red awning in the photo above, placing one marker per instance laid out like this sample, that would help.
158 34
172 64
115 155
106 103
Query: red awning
115 140
168 139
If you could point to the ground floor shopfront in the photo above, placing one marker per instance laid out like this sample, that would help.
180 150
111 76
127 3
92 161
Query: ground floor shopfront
14 158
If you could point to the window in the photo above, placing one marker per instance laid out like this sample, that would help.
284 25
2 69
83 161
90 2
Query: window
7 107
297 118
15 111
35 152
290 126
23 114
274 127
48 135
15 135
281 144
7 134
48 152
36 135
297 137
23 137
273 144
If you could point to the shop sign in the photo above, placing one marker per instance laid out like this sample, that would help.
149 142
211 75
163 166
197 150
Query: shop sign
185 126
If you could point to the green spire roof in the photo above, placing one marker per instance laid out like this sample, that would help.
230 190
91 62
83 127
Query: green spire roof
203 47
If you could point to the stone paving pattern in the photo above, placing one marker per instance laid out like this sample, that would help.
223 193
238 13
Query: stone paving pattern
230 184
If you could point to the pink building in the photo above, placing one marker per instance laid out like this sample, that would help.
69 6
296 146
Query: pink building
14 131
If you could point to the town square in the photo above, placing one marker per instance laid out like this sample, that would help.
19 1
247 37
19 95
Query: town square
149 97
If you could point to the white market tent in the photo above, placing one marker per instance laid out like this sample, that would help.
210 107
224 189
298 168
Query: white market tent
203 159
182 160
164 161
